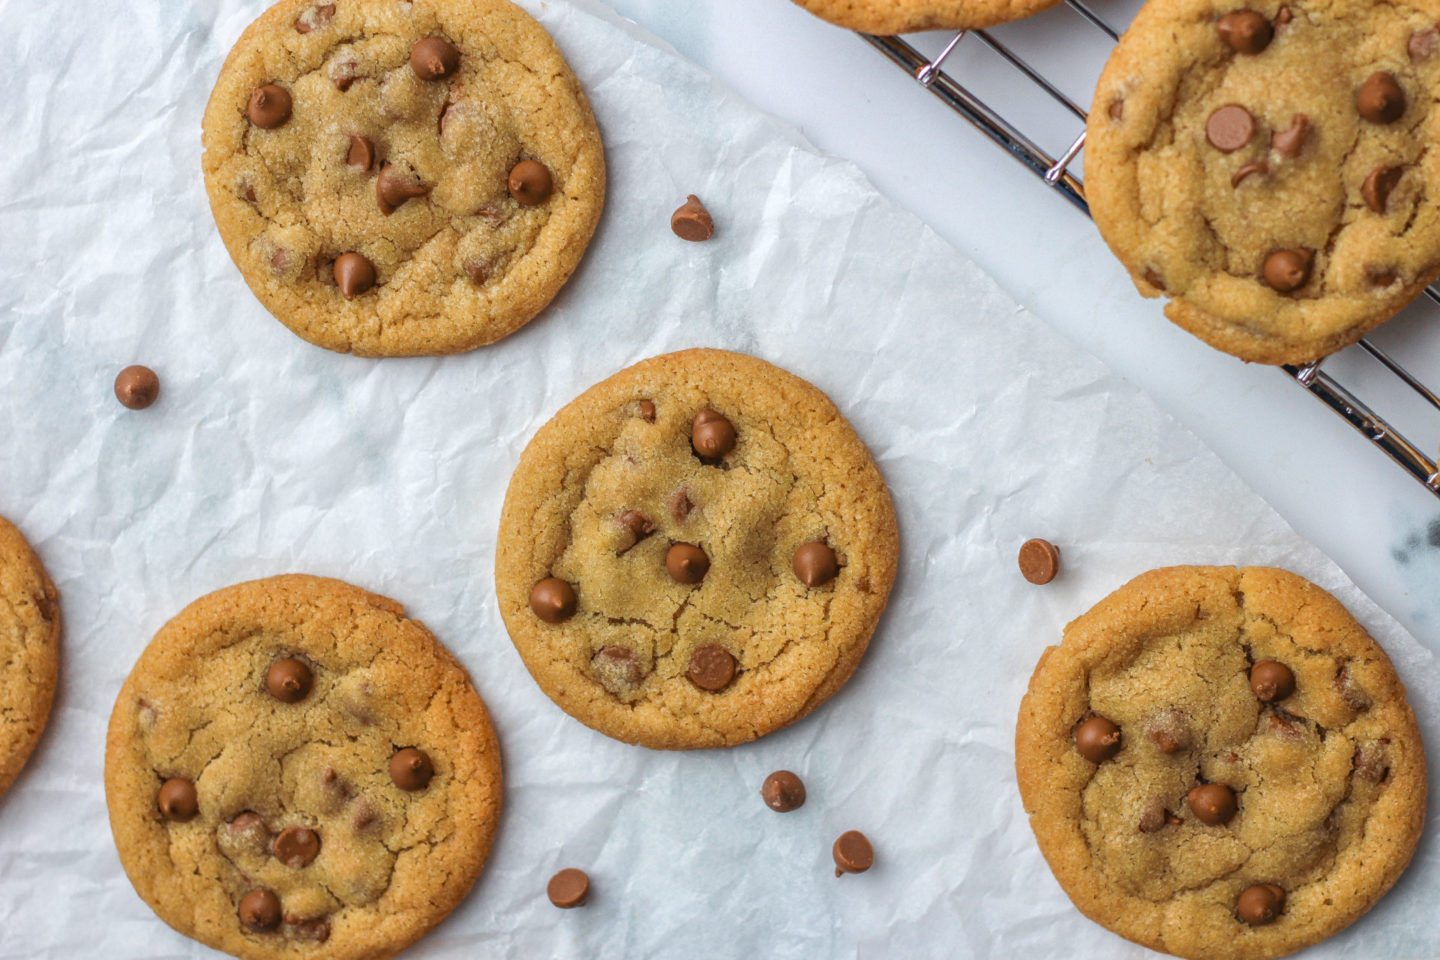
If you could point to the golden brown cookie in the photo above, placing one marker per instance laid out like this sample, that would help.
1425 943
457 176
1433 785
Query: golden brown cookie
296 769
1221 763
29 649
695 552
1269 169
399 178
906 16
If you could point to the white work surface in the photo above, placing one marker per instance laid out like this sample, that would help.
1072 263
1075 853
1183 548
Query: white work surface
1336 489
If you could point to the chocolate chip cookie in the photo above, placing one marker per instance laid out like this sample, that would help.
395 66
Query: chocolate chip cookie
1221 763
695 552
296 769
29 649
1269 169
905 16
399 178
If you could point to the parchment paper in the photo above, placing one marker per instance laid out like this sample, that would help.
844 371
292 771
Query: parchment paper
267 455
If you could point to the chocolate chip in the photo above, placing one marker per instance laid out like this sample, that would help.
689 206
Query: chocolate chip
411 769
178 800
616 668
815 563
365 817
1212 803
1351 692
1288 270
315 18
1279 724
530 183
432 58
568 888
553 600
1378 185
1245 31
1229 128
1283 16
137 387
1169 732
393 187
680 505
1039 560
1260 904
361 156
1380 99
354 274
1246 170
783 791
1097 739
316 930
647 411
343 73
711 435
269 106
288 680
1378 276
711 667
1154 817
852 853
686 563
692 221
1152 277
1116 110
260 910
1423 44
478 271
297 846
1271 681
636 525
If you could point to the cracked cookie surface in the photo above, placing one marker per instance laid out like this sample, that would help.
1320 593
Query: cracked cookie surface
1318 767
1269 169
261 778
29 649
358 153
906 16
653 543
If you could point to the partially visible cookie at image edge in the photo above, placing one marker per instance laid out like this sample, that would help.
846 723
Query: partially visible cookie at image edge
30 649
907 16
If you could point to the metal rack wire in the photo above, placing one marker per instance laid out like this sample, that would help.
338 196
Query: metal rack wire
1320 382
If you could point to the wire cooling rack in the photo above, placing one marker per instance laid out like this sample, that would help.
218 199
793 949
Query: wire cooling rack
1322 378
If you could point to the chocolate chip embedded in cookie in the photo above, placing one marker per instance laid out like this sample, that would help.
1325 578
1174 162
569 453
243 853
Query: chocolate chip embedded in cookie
907 16
30 651
257 797
396 179
1279 791
1284 209
695 552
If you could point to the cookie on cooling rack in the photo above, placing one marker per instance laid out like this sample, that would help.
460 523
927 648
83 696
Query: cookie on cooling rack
1220 763
695 552
1269 167
29 648
402 178
906 16
296 769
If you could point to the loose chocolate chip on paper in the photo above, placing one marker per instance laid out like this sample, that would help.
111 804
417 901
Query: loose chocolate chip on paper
568 888
852 853
137 387
783 791
692 221
1039 560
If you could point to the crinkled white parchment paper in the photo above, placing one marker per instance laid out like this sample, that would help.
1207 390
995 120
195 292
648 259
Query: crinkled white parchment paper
267 455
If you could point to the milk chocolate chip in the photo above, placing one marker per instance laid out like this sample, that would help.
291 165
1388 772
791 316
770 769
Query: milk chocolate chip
315 18
137 387
1378 276
393 187
636 525
783 791
1229 128
553 600
852 853
1212 803
711 667
1245 31
530 183
1097 739
686 563
1290 141
1039 560
354 274
568 888
616 668
692 221
1380 99
411 769
178 800
288 680
815 563
711 435
1423 44
1378 185
647 411
260 910
1246 170
1288 270
297 846
1271 681
432 58
1260 904
362 153
269 106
